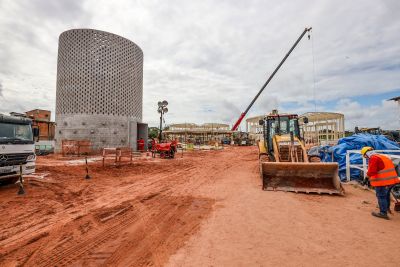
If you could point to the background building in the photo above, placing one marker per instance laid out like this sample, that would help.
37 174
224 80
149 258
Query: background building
397 99
323 128
99 89
198 134
41 120
254 128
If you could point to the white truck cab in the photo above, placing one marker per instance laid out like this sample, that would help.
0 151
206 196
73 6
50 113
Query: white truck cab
16 147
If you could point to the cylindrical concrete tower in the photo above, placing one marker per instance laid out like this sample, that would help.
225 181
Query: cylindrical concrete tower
99 89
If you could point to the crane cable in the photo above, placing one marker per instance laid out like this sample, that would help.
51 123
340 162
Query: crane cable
313 62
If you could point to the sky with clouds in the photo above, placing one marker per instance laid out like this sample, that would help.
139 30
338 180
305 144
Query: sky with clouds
209 58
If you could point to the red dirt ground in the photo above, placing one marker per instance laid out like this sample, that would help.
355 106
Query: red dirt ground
205 209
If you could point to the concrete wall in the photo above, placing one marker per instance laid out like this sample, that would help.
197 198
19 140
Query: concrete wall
143 132
101 130
99 88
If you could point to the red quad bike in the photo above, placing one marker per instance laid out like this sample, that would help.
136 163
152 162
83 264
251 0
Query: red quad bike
165 149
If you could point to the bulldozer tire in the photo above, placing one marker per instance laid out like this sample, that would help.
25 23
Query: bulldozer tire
8 181
396 191
314 159
263 158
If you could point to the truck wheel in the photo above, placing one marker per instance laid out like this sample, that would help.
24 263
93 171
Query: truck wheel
396 191
7 181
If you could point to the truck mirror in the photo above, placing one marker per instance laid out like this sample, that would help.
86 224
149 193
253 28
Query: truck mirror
35 132
305 120
261 122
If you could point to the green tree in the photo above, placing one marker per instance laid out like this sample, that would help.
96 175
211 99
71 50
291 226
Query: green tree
153 132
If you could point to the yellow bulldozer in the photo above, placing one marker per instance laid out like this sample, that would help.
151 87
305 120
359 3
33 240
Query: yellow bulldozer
284 163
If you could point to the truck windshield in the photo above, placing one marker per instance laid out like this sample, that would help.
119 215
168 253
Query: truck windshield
15 132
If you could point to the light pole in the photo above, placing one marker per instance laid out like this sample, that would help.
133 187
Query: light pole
162 109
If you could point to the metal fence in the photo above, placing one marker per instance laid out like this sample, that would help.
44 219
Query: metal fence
364 166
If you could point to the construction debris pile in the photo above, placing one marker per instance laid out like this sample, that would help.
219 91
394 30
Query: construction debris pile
355 142
199 134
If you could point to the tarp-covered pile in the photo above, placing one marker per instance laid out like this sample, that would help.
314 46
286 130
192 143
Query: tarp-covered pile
354 142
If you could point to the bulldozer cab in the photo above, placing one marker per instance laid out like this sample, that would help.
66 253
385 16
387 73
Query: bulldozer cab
279 125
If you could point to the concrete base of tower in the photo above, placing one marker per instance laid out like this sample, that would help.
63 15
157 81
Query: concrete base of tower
101 130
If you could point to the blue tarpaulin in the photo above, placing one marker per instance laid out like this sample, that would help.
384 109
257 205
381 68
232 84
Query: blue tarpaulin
354 142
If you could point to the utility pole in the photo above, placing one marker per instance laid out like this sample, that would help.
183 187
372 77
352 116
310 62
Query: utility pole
162 109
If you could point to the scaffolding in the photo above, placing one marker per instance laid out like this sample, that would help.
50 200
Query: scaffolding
397 99
323 128
254 128
198 134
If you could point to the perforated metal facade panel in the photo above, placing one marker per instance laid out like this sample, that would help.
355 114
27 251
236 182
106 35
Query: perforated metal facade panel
99 85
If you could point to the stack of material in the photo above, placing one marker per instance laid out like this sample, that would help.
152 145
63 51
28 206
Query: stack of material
355 142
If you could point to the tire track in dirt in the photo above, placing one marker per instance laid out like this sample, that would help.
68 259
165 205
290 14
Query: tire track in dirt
161 218
143 227
26 230
64 256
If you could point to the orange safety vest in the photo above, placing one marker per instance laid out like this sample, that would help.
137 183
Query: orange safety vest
386 176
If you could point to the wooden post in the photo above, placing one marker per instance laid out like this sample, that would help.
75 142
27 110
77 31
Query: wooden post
21 190
62 148
348 166
87 169
103 157
130 152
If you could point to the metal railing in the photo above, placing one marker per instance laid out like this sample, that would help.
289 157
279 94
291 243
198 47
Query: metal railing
364 167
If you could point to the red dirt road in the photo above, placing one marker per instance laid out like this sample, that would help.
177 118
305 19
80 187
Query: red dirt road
206 209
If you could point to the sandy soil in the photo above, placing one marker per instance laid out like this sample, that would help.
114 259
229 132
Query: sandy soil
205 209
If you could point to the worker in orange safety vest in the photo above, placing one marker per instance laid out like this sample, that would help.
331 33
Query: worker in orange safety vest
383 176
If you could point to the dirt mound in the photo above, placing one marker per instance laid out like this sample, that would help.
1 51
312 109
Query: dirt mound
131 214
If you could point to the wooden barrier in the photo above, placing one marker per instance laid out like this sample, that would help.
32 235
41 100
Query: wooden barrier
110 152
76 147
124 152
118 153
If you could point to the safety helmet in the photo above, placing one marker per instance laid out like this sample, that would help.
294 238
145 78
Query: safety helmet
365 150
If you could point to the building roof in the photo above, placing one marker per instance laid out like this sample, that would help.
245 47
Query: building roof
198 131
316 116
192 128
312 116
33 110
255 118
199 126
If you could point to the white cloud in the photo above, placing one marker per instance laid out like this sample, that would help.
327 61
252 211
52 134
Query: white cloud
386 114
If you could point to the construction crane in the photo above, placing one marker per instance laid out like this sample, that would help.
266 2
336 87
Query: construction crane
236 125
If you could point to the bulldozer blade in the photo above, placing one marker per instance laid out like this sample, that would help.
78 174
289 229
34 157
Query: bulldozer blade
321 178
